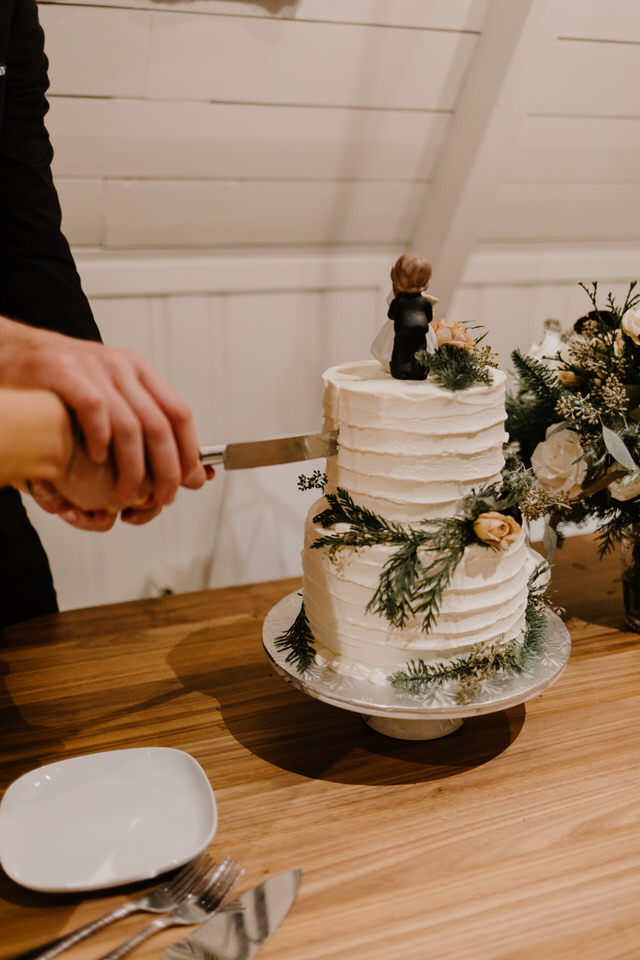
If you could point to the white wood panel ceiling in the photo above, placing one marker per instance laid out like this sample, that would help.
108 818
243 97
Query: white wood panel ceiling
325 123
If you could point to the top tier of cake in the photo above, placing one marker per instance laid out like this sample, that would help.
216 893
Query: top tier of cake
408 449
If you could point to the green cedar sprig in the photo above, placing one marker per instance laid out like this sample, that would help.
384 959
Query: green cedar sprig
455 368
416 574
406 586
418 676
299 641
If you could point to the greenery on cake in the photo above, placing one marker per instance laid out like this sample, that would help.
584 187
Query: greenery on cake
459 362
482 663
426 555
313 481
486 659
453 368
575 418
299 642
414 578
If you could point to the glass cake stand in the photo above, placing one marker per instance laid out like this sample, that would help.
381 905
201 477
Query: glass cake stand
424 716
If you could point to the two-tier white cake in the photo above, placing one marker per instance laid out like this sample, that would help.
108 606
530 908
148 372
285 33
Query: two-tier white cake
410 451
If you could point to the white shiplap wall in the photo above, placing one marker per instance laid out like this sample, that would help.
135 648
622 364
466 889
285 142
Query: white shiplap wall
237 177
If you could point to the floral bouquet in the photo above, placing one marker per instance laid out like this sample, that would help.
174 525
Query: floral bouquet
574 418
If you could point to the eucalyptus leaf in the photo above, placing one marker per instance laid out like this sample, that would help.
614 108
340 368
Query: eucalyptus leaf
617 449
550 542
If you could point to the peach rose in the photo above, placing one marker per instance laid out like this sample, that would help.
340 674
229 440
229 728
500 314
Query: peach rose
496 529
452 333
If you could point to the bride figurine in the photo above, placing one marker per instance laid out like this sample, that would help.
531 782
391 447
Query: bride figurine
408 327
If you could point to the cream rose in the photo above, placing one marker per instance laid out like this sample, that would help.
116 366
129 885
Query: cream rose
554 461
496 529
628 488
452 333
631 324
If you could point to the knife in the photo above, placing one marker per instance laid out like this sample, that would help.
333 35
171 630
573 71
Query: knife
238 931
263 453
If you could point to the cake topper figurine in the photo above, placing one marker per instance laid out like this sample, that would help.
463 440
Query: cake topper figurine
408 328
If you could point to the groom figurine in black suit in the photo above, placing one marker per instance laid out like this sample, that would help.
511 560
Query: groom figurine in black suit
125 411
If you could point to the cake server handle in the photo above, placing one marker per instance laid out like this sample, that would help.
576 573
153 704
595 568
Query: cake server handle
213 453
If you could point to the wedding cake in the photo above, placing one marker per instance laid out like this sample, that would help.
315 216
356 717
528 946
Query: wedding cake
415 565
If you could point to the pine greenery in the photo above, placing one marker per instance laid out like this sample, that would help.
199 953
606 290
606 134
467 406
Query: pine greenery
407 586
485 661
415 576
454 368
299 641
426 555
533 408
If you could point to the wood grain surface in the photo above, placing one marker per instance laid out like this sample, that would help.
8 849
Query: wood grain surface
515 838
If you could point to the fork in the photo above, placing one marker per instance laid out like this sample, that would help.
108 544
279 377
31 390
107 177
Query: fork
193 909
191 879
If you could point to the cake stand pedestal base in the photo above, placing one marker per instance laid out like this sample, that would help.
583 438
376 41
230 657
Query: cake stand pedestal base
409 729
438 711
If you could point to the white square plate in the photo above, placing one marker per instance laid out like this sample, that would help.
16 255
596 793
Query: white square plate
105 819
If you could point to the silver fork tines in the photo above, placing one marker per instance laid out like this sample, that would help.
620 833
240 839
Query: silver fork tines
159 900
195 908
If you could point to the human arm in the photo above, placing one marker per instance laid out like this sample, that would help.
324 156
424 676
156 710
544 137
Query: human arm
41 451
122 404
36 437
124 407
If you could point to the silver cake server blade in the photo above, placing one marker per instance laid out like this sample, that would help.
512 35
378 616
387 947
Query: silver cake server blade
265 453
238 931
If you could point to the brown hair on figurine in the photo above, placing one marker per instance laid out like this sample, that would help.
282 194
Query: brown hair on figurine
410 274
411 314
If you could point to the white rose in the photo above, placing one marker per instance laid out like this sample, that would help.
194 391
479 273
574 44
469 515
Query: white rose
554 462
631 324
626 489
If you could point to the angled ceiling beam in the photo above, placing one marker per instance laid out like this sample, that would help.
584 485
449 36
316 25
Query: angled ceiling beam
509 56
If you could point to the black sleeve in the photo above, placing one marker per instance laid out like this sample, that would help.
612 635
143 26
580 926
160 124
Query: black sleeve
39 283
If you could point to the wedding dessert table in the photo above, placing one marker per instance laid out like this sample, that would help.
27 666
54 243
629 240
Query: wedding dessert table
515 838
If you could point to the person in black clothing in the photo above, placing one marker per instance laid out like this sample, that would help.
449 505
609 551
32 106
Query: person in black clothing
411 314
49 339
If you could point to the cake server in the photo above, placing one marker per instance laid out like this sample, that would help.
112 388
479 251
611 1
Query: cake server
264 453
238 932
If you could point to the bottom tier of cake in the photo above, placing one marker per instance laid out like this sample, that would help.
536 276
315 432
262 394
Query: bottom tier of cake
484 605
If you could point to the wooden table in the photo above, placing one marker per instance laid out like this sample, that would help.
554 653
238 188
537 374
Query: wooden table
515 838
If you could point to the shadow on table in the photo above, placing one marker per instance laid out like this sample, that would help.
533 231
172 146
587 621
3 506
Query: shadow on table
26 745
323 742
295 732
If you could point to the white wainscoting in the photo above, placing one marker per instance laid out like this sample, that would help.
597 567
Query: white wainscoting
245 339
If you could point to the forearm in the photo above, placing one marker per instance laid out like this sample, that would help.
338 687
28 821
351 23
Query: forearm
18 343
36 437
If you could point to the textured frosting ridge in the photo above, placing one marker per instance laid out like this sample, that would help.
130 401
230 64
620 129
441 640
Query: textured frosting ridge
410 450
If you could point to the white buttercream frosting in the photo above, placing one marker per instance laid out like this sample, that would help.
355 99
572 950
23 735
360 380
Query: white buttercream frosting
410 450
407 448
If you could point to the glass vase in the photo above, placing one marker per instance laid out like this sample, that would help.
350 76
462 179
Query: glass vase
630 554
